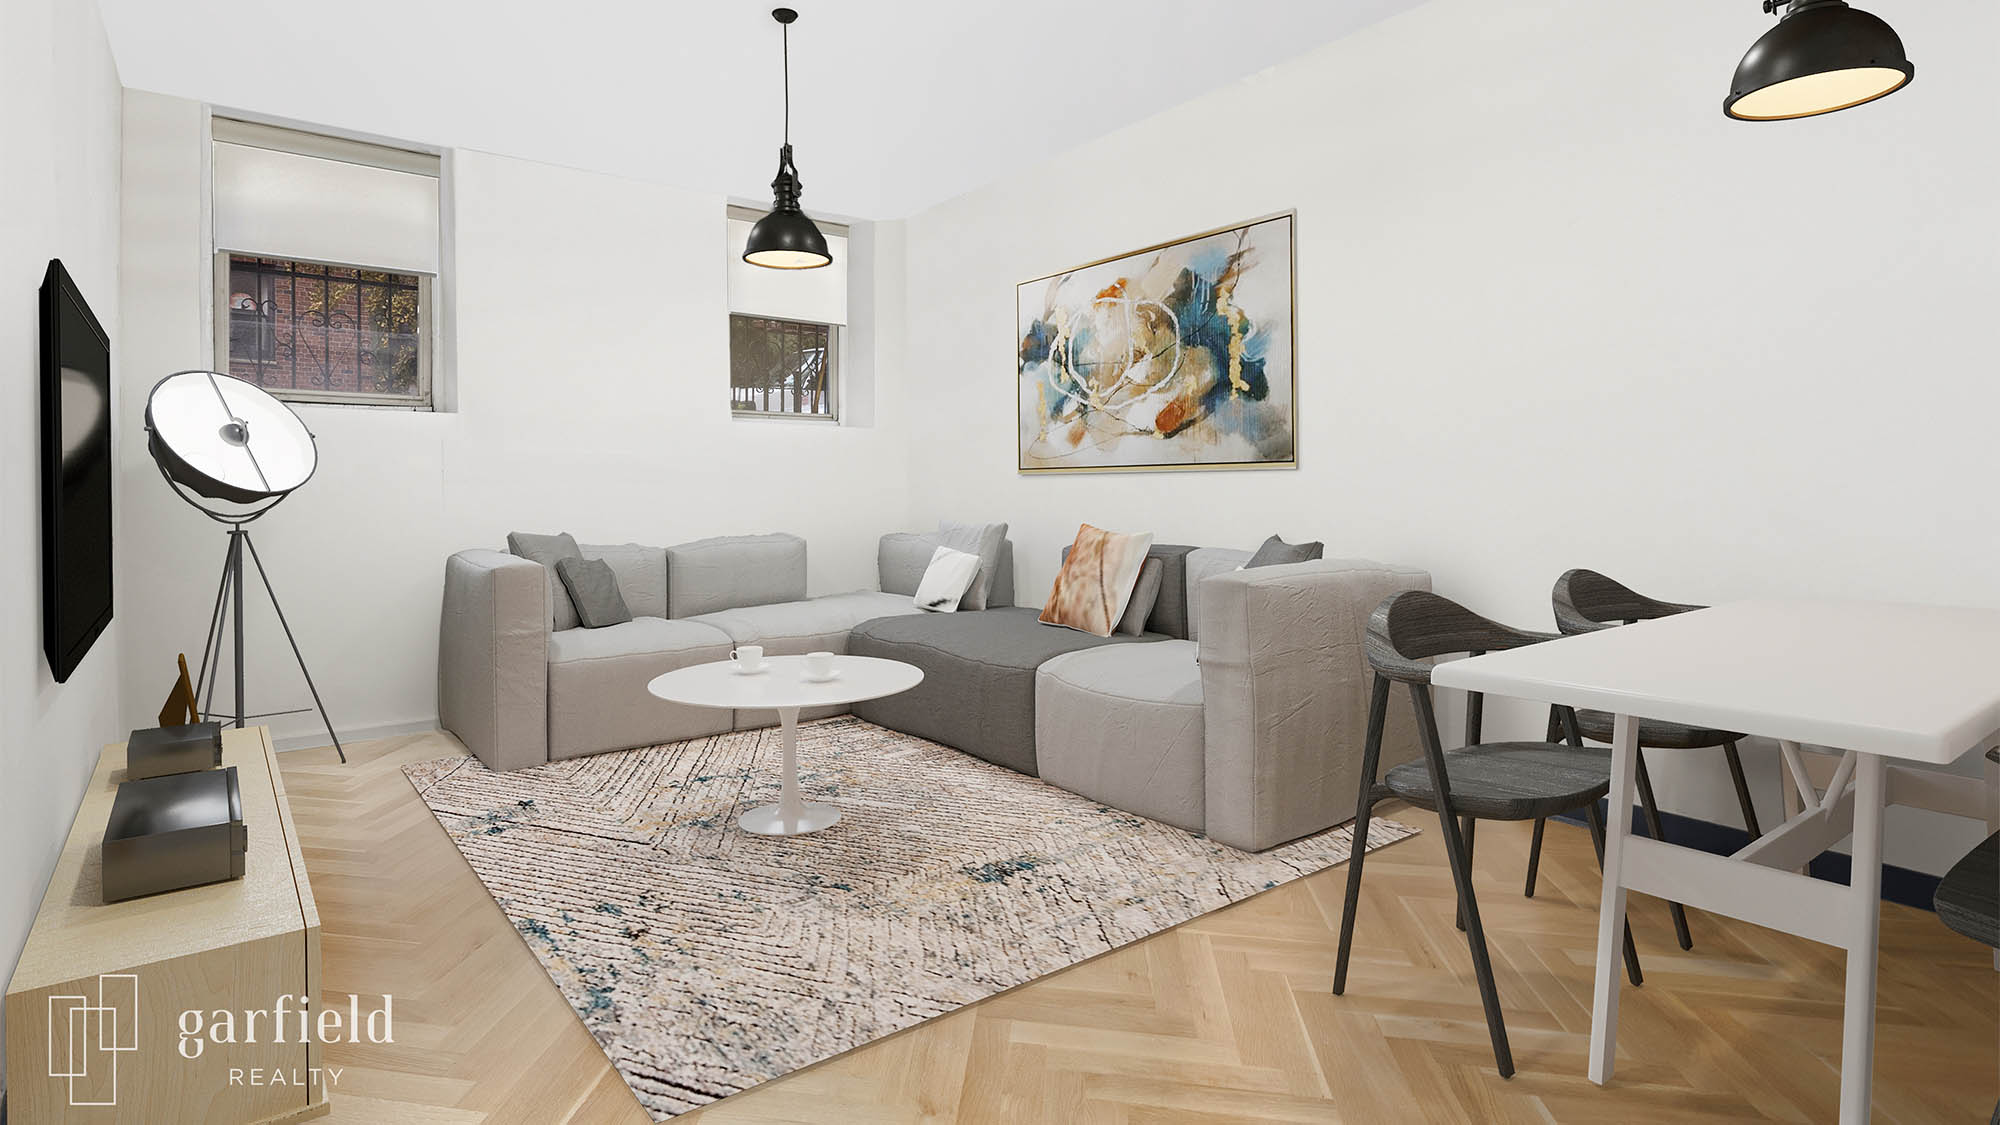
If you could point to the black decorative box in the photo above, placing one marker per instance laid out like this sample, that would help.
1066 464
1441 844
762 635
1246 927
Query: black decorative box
158 751
181 830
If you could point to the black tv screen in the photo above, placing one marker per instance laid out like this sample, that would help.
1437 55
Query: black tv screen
76 474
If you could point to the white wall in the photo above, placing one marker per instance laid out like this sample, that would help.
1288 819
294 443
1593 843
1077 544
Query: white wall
1554 310
591 396
58 199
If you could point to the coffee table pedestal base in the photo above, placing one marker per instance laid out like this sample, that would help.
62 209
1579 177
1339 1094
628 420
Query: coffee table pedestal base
792 815
771 820
785 688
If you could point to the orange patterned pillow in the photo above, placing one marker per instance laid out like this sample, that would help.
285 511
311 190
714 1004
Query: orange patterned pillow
1096 580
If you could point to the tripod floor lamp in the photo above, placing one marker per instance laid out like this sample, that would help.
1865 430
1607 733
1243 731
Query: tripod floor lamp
233 452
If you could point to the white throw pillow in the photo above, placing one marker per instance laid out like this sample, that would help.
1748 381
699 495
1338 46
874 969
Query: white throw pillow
982 539
946 580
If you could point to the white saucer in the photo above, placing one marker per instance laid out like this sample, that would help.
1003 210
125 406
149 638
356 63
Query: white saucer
736 669
826 679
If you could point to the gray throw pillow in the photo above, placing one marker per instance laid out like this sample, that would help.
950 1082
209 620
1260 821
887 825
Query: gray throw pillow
549 550
1145 592
593 587
1276 552
982 539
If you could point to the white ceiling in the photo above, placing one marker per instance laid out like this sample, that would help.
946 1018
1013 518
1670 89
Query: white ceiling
896 105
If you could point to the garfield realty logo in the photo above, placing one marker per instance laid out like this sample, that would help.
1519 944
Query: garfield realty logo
85 1038
87 1034
291 1020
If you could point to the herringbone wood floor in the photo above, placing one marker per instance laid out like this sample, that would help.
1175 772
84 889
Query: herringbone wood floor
1227 1018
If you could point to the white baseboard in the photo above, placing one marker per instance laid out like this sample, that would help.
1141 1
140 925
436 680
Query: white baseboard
351 735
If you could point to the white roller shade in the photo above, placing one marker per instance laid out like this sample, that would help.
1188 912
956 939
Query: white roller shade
293 206
817 295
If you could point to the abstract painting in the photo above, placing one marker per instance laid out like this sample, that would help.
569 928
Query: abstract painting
1179 356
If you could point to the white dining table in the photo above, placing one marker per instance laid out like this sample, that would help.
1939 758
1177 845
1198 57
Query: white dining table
1877 683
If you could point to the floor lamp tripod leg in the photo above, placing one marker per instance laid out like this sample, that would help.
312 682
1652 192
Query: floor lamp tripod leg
296 654
231 578
208 645
240 537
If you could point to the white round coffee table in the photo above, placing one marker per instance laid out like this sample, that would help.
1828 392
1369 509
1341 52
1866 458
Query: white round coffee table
782 687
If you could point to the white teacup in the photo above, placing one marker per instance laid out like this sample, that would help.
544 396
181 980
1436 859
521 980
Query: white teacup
748 658
819 665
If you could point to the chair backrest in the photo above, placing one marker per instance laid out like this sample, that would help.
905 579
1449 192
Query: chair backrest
1586 601
1409 628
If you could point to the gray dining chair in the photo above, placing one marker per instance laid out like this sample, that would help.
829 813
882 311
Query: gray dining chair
1968 897
1585 602
1481 781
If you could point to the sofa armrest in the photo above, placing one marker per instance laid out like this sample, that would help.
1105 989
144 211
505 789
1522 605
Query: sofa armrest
493 658
1285 692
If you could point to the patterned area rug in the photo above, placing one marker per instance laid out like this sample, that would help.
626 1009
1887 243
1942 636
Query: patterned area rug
706 960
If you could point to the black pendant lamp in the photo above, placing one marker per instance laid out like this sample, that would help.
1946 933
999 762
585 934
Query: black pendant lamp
785 239
1823 56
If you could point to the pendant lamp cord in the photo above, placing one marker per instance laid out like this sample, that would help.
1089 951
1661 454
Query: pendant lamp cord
786 32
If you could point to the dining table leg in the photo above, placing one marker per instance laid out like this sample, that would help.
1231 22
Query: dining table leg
1788 786
1857 1039
1992 763
1611 902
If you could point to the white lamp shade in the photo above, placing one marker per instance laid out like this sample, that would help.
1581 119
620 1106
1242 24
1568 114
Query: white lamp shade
228 439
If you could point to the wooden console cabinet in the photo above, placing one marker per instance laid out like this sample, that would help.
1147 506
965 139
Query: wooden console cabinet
94 1009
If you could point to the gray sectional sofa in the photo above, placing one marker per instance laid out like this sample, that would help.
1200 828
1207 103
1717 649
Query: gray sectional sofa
1250 728
1240 712
519 691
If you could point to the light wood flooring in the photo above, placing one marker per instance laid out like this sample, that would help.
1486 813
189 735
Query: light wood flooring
1227 1018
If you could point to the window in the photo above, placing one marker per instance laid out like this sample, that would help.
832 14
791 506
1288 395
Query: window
317 332
782 366
785 330
326 257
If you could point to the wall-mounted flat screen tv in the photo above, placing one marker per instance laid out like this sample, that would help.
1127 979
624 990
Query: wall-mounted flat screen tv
76 474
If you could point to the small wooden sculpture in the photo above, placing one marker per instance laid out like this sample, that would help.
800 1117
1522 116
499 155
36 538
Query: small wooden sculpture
179 709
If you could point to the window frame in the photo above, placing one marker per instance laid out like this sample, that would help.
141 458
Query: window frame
436 372
835 345
425 399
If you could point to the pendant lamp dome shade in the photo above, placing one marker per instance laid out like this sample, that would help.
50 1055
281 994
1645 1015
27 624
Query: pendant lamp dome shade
1823 56
785 239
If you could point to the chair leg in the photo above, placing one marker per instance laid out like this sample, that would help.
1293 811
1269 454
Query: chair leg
1535 855
1742 789
1597 841
1466 825
1371 753
1653 829
1557 716
1461 874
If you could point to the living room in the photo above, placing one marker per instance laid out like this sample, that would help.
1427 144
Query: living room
1514 298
